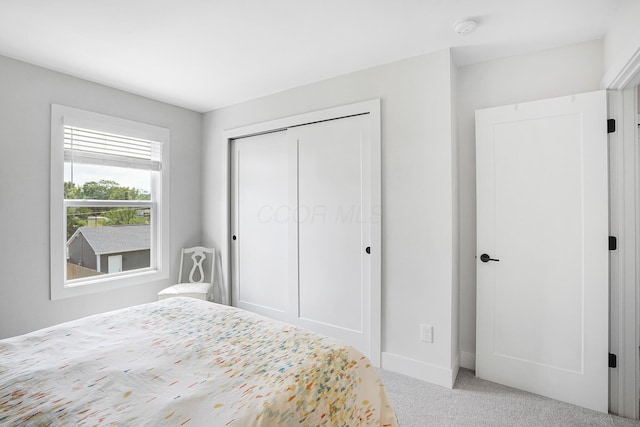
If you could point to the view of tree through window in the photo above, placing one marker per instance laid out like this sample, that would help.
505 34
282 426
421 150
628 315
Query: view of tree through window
108 223
81 216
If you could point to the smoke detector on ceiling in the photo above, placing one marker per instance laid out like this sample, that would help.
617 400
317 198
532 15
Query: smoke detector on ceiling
465 26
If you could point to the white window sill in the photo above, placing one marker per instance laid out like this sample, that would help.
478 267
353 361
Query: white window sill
114 281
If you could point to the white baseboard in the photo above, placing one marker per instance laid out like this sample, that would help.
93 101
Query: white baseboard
423 371
468 360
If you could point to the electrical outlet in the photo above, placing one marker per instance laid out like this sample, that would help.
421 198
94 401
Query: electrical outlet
426 333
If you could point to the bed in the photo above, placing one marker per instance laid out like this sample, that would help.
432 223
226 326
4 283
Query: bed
183 361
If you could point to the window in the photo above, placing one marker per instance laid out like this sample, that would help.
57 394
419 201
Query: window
109 202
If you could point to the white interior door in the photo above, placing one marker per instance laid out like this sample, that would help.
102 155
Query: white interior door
542 309
261 223
333 292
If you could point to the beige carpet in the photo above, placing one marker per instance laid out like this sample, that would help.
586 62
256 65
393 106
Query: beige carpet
475 402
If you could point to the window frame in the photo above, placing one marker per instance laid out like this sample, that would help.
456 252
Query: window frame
159 269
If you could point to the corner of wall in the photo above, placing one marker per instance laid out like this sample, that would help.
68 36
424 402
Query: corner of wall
428 372
468 360
455 256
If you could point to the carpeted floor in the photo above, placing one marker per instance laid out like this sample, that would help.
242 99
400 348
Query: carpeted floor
475 402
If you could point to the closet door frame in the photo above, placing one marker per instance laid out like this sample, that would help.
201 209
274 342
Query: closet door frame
372 108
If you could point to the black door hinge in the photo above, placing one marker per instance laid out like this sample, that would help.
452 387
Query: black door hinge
611 125
613 360
613 243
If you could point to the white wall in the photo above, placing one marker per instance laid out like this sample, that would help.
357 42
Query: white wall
417 192
546 74
26 95
622 41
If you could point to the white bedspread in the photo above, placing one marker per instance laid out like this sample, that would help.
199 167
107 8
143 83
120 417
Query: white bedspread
186 362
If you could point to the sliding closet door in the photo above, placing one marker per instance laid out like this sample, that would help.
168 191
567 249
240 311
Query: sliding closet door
334 229
305 224
262 192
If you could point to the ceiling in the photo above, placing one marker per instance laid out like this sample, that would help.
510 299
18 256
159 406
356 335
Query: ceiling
206 54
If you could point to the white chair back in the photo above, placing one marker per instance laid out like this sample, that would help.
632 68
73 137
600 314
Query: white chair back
202 265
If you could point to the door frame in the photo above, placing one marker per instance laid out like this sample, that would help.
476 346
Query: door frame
371 107
624 208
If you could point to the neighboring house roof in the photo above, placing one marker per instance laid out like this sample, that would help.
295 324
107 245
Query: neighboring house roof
115 238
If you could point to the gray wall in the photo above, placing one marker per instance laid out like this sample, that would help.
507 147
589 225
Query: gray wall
130 260
418 196
134 259
547 74
81 253
26 95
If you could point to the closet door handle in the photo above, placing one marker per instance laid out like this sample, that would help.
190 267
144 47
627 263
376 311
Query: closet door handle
368 249
234 237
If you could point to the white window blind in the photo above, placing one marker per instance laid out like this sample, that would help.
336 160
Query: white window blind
102 148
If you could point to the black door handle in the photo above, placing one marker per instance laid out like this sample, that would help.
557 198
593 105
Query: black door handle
487 258
368 249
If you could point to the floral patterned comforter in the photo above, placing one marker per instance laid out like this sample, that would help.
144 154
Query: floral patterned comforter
186 362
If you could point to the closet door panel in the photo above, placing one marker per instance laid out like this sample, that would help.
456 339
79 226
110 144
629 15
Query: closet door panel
261 220
332 233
